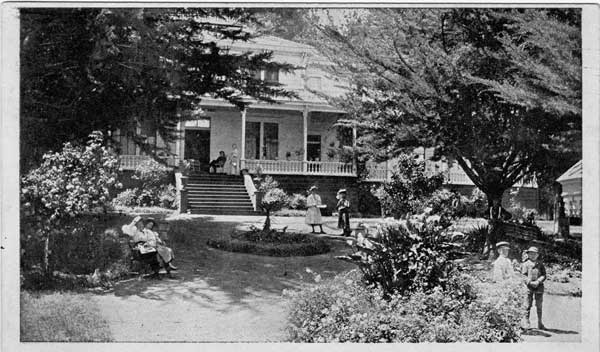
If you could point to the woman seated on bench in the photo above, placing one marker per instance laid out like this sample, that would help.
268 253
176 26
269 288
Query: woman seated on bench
147 241
165 253
219 163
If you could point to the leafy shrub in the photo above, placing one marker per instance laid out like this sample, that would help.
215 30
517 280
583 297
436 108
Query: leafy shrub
446 203
344 310
476 205
164 196
409 187
475 238
272 243
76 180
127 198
297 201
151 174
403 256
167 197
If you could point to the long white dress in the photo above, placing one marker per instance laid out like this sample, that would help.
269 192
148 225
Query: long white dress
503 269
313 214
234 162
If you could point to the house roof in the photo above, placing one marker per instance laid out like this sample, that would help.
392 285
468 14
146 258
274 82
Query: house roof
574 173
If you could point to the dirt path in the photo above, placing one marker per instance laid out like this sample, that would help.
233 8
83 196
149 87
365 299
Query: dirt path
562 318
219 296
216 296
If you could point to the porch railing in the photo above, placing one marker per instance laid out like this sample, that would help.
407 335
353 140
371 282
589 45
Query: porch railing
130 162
291 167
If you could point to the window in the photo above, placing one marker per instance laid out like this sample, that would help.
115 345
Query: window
313 148
272 75
270 141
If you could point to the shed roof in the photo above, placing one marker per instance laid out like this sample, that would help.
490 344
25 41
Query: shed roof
575 172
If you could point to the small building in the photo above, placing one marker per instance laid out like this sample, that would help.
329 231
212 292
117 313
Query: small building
571 182
296 141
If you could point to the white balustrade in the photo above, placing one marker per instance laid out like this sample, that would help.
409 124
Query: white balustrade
293 167
130 162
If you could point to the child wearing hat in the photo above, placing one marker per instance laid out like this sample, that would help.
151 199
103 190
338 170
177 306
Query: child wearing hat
313 214
503 268
535 275
343 207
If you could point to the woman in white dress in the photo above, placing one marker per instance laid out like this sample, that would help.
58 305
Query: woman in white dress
165 253
313 214
234 161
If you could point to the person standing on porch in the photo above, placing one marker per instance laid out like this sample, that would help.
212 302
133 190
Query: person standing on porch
234 161
313 214
343 207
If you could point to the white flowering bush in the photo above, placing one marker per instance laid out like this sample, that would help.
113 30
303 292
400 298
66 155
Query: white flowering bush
273 199
76 180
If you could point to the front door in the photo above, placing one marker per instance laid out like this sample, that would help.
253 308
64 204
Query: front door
197 146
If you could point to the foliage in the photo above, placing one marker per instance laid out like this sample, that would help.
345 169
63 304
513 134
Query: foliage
344 310
521 213
105 69
86 252
272 243
476 206
273 199
64 317
404 256
167 197
151 174
127 198
496 90
409 188
76 180
475 238
298 201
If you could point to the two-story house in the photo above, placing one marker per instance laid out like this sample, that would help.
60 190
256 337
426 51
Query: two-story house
296 141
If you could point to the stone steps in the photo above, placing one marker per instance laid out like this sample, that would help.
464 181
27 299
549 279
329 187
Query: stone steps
218 194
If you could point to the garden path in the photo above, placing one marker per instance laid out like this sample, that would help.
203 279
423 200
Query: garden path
219 296
216 295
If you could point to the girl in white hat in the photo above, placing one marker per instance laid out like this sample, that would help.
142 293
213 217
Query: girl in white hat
313 214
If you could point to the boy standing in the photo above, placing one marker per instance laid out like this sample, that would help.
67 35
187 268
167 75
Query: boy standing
535 273
343 208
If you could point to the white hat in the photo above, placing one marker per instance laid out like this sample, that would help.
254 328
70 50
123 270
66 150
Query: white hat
343 190
502 244
533 249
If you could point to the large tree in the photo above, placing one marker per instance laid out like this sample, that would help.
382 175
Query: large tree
104 69
497 90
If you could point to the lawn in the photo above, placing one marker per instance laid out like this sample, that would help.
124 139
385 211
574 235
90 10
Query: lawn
61 317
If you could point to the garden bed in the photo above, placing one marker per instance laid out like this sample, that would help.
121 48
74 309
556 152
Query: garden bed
272 243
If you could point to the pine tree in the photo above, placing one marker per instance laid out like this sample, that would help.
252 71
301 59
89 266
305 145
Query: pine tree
105 69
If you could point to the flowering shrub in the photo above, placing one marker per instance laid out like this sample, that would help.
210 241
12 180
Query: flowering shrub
298 201
76 180
127 198
273 199
151 174
344 310
407 255
409 188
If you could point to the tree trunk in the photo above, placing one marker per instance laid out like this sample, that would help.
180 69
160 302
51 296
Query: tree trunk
47 255
267 226
495 227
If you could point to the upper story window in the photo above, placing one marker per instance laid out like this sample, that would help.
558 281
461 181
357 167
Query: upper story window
270 75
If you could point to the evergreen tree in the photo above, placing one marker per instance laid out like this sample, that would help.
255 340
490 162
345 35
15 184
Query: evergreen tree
105 69
497 90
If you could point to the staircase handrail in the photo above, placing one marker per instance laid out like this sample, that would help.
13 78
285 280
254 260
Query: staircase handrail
250 188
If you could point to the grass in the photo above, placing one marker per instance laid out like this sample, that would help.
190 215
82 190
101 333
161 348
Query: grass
61 317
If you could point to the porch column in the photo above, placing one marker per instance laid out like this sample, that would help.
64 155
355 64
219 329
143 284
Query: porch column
243 146
178 144
354 170
305 138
